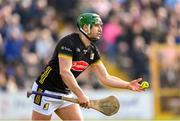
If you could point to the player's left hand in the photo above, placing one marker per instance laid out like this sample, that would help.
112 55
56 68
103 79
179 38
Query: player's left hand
135 85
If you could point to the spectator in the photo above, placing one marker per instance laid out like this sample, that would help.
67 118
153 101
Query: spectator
29 28
112 30
140 58
13 46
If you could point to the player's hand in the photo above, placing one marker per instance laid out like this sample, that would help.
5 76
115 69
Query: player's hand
135 85
84 101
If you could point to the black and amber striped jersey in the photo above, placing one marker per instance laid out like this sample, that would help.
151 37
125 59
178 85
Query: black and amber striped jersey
69 46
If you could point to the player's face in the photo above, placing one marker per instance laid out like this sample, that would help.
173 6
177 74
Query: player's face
96 31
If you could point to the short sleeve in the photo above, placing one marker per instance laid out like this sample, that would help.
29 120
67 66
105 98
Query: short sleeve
65 48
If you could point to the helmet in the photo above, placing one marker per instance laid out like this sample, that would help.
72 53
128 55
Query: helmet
89 19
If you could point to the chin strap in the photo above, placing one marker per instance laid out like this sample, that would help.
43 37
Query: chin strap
84 33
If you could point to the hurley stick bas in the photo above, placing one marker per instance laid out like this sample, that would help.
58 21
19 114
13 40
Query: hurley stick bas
108 106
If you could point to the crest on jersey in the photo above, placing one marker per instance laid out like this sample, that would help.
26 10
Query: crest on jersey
92 56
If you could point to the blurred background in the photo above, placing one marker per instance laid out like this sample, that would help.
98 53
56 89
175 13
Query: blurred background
140 39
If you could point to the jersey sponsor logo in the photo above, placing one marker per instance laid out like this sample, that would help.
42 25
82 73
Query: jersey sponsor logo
79 65
66 48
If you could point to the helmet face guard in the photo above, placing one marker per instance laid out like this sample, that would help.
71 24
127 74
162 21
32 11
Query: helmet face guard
88 19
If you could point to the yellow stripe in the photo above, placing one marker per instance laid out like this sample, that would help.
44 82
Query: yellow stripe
97 62
37 99
64 56
45 74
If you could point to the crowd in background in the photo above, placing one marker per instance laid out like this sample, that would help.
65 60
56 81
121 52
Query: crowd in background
30 29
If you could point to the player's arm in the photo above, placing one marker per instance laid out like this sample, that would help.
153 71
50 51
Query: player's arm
65 63
105 78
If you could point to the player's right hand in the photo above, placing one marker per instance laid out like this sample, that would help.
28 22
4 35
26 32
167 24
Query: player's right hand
84 101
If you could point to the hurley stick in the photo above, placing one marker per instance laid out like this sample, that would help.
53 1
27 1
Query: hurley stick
108 106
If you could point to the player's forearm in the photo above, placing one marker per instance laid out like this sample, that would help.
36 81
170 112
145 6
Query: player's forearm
115 82
70 81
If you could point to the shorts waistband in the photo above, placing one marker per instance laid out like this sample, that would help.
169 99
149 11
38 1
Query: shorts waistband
57 90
